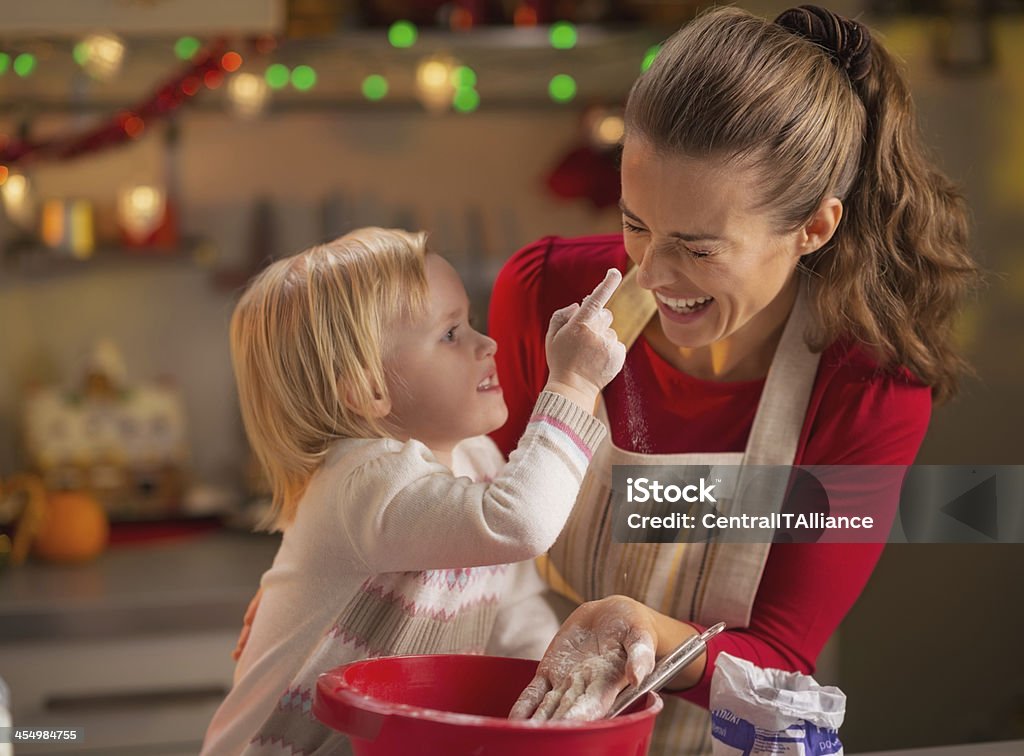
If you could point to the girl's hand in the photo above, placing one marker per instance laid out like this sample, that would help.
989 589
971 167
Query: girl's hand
583 352
250 615
603 646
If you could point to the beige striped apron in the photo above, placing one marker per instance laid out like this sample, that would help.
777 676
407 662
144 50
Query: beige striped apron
700 582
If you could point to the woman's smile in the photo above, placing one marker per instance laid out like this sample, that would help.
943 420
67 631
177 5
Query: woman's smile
681 310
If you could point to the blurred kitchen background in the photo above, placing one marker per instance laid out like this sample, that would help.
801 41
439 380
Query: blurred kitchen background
155 153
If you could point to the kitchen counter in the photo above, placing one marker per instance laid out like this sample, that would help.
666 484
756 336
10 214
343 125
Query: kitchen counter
1001 748
190 584
134 648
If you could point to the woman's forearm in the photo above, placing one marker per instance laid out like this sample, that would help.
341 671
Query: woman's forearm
672 632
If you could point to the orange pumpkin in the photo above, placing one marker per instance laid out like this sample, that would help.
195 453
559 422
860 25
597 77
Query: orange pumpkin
74 528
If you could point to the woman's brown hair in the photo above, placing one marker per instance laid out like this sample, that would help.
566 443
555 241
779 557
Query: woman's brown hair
819 109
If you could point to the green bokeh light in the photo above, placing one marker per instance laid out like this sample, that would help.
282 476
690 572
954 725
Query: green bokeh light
563 35
303 78
277 75
5 62
562 88
186 47
463 77
402 34
25 64
375 87
80 53
466 100
652 53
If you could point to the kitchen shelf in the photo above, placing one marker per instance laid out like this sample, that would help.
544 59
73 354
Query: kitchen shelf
514 66
22 264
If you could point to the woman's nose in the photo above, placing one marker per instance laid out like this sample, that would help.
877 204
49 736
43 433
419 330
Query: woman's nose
654 270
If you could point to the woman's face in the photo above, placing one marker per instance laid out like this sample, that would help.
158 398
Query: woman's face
713 260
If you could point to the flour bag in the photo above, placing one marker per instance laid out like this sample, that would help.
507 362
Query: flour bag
768 711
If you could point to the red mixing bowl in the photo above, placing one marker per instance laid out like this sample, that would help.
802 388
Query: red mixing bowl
457 705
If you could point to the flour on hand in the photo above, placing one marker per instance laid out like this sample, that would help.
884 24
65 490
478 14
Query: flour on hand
599 650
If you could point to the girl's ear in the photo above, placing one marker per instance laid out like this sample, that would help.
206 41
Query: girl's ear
381 404
378 408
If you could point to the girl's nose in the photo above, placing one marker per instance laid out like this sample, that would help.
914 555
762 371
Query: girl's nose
488 347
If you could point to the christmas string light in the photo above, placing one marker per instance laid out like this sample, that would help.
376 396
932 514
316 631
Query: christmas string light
375 87
126 125
649 56
402 34
563 35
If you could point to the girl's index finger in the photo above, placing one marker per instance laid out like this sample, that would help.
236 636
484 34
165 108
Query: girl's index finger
598 298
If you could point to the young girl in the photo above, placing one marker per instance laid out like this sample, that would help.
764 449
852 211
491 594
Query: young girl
365 394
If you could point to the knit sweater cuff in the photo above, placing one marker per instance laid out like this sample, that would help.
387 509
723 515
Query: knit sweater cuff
582 427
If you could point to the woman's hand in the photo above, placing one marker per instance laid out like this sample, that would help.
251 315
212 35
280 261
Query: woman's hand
250 615
603 646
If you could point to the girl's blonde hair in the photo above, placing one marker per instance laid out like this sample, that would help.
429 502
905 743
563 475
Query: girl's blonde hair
308 339
818 108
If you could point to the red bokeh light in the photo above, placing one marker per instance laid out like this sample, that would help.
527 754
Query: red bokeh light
231 61
134 126
461 20
265 44
213 79
525 16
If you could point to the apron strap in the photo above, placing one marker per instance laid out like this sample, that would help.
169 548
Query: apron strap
777 425
632 307
730 592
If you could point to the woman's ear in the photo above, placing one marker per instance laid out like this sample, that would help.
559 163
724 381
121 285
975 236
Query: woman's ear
816 233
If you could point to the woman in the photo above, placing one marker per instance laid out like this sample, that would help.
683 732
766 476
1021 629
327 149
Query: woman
806 261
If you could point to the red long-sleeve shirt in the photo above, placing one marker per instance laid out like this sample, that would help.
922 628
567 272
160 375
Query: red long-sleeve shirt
857 415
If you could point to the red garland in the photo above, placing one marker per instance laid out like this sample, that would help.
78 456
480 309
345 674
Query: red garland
128 124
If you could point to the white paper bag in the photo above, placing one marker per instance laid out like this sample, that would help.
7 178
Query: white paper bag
768 711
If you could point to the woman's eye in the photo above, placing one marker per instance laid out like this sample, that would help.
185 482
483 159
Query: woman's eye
632 228
449 335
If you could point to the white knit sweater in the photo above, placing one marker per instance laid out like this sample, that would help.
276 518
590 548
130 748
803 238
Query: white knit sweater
391 553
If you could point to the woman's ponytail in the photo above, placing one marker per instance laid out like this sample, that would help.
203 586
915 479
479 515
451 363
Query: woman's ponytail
899 267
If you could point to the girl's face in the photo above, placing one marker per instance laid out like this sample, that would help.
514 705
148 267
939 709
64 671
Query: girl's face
441 375
717 267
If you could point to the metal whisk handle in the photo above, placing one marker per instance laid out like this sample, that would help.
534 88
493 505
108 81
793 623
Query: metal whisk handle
666 669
